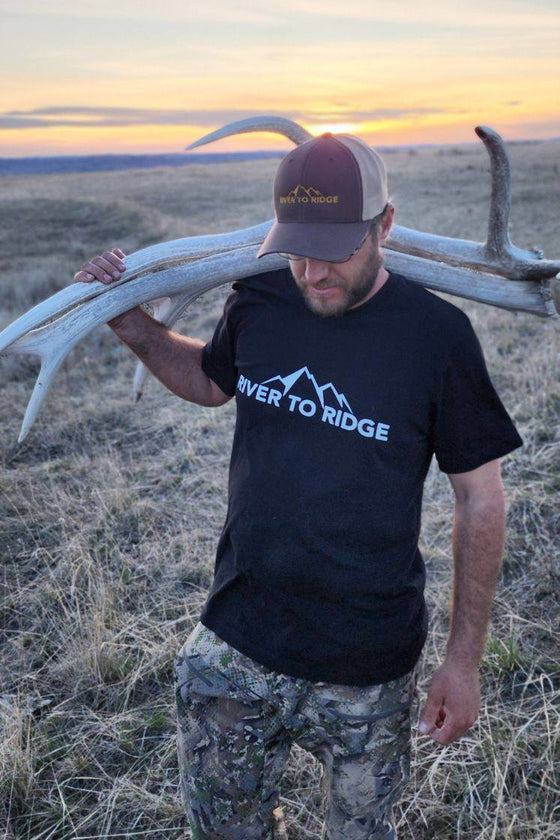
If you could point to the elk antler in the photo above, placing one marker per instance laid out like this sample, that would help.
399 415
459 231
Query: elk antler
174 273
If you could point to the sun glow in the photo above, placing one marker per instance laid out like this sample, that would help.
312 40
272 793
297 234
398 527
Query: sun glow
334 128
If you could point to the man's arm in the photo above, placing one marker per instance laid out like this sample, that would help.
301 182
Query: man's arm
478 545
453 701
173 358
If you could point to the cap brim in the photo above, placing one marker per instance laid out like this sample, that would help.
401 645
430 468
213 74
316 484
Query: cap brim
319 240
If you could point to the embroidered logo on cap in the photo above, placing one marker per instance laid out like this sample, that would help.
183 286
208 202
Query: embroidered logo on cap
307 195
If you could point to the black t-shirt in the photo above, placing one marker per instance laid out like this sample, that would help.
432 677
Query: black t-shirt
318 573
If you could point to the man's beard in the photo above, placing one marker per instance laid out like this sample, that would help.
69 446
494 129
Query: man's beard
362 286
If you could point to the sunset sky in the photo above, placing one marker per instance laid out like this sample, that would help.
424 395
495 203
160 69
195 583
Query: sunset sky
106 76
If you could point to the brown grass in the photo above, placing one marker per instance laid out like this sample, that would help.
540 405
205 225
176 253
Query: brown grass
110 515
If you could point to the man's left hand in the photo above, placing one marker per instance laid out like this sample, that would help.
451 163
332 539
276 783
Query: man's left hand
453 702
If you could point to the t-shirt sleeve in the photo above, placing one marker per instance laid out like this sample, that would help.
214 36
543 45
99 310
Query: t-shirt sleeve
219 354
471 425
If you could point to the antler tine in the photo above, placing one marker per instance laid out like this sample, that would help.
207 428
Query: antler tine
167 311
277 125
498 239
498 244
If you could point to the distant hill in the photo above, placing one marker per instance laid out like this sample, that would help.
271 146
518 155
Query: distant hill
98 163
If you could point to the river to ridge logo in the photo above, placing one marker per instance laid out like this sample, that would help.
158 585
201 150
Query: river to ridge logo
339 415
307 195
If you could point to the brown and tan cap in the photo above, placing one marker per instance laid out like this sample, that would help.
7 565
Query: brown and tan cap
326 192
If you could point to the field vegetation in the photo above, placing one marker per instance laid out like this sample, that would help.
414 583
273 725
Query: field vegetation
110 513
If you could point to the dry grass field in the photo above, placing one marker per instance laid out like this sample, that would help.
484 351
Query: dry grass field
110 513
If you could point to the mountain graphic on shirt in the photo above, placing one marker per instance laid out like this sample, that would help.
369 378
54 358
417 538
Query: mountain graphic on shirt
290 380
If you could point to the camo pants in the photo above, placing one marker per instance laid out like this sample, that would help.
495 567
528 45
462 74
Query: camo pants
236 721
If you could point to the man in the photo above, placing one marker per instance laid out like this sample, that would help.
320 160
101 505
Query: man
348 379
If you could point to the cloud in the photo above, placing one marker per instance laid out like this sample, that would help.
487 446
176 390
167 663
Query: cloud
55 116
478 13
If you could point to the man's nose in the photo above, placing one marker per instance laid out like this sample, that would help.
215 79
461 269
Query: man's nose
315 270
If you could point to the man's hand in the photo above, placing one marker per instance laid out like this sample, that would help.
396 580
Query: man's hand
453 702
106 268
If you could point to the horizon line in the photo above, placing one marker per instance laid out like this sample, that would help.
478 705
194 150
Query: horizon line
272 152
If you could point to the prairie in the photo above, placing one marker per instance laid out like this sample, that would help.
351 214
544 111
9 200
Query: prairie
110 513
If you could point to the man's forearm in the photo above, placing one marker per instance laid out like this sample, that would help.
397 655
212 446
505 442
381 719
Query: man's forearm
478 544
174 359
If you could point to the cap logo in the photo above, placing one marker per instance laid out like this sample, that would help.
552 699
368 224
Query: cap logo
307 195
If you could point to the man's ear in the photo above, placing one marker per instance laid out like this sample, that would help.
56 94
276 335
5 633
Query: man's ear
386 224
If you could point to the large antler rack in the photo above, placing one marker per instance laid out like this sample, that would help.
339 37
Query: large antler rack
172 274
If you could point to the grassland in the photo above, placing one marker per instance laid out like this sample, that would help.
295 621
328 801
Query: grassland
110 514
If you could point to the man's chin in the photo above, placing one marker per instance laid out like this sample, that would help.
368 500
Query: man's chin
325 308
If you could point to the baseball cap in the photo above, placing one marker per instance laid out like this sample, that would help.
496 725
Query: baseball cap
326 192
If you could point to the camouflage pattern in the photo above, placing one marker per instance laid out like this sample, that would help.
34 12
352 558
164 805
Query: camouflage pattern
236 722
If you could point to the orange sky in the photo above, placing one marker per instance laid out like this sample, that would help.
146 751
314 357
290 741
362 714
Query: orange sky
129 76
